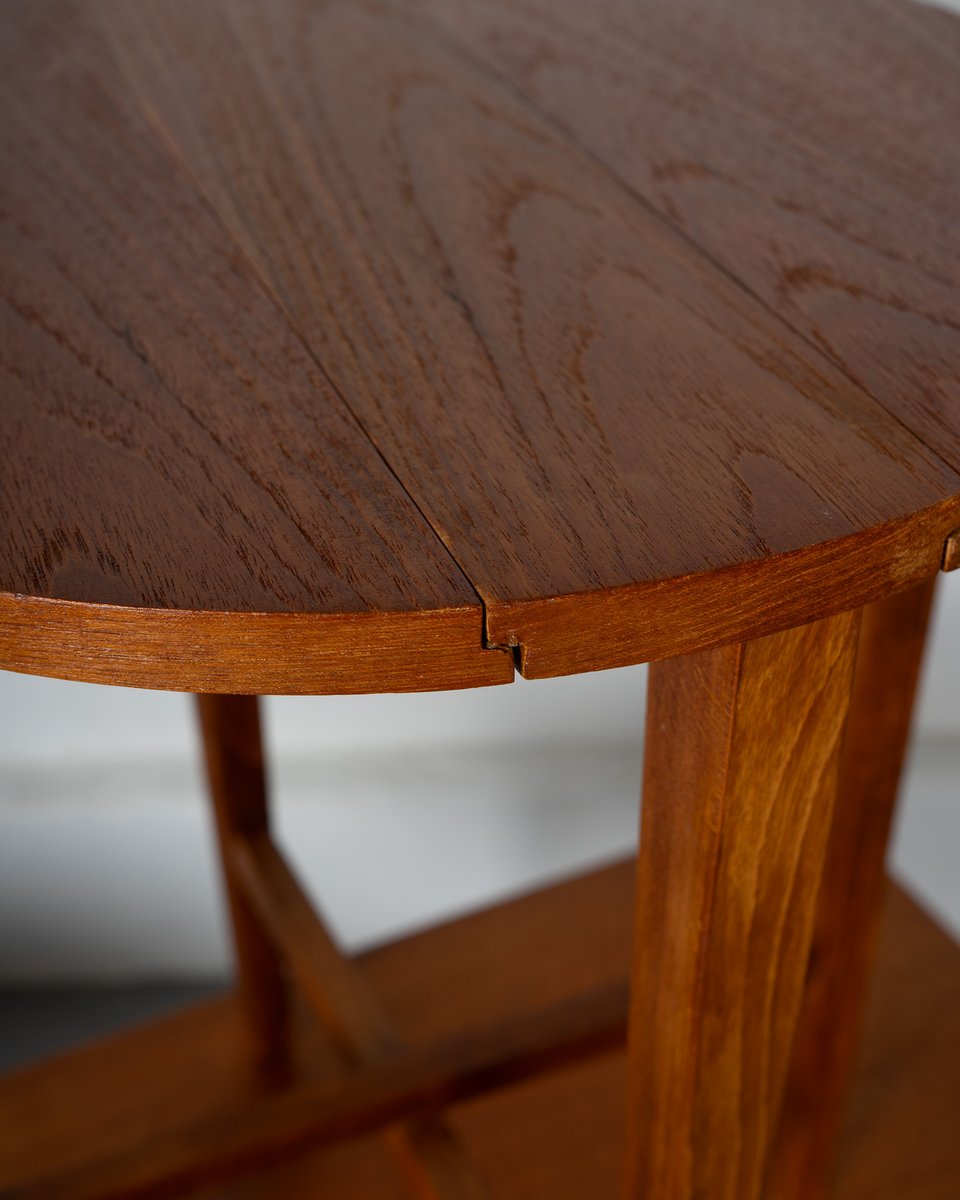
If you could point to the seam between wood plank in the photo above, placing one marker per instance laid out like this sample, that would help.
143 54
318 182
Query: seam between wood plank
433 30
172 152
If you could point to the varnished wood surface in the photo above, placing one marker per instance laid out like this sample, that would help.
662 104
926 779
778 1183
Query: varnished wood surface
444 984
737 811
808 147
315 318
179 473
632 417
249 653
550 1139
889 653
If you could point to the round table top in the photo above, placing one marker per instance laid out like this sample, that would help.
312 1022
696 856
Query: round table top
362 346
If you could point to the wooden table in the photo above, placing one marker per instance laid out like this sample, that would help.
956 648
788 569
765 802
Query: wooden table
362 346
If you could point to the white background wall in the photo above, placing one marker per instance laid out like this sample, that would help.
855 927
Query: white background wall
399 810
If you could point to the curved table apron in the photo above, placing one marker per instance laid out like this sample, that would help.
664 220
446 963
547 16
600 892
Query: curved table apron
406 344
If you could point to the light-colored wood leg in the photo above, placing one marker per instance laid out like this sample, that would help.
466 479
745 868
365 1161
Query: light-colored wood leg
742 768
890 651
233 752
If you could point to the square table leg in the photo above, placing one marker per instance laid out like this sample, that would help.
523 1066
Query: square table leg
233 751
275 927
889 656
755 903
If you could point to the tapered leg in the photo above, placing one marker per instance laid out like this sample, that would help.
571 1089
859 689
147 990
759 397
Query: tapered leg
230 726
742 769
889 655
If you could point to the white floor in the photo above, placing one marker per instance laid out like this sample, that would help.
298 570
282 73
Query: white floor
108 874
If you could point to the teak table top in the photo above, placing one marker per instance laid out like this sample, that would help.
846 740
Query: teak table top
344 342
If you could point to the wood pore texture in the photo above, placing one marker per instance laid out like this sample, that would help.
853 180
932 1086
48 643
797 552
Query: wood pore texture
889 652
344 340
808 147
180 475
737 812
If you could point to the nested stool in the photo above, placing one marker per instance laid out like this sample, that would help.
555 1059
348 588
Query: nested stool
395 345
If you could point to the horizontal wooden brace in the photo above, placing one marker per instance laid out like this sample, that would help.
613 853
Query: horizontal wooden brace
370 1098
162 1088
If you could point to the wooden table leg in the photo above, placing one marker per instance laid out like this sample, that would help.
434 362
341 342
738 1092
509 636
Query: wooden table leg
890 651
742 767
273 922
233 751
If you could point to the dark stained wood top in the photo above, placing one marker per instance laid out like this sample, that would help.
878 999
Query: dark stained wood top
344 338
169 442
807 146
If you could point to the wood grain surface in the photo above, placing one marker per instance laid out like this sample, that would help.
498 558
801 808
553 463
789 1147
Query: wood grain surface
169 443
889 653
190 1071
557 1138
263 237
808 147
578 399
737 811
